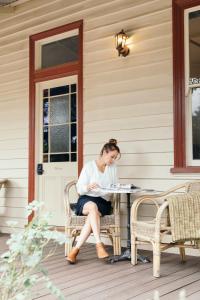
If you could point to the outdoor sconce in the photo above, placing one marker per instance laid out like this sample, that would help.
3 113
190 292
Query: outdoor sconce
121 38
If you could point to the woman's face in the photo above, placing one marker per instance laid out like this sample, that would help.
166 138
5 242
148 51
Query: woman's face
109 157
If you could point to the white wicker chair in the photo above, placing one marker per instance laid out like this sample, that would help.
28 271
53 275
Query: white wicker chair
153 232
110 224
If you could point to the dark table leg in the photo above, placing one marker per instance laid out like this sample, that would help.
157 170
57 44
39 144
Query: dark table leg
126 255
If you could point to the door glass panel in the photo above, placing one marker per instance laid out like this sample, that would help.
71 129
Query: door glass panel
73 137
59 90
59 110
60 52
73 107
59 137
60 124
45 140
73 157
73 88
45 112
59 157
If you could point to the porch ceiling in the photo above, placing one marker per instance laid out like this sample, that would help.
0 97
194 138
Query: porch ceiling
8 6
6 2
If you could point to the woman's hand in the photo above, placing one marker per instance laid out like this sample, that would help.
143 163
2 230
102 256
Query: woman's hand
92 186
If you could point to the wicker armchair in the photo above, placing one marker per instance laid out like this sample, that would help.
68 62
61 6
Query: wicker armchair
154 231
110 224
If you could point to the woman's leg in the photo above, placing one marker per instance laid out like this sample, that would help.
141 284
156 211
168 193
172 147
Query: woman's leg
91 209
85 232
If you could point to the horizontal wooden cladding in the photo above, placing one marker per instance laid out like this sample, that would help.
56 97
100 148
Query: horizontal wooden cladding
135 147
17 183
160 184
14 173
110 54
13 202
147 57
14 75
135 36
138 12
129 123
16 144
20 133
156 172
131 108
21 222
82 11
11 192
12 212
48 13
13 58
11 85
20 64
141 159
13 163
132 73
13 154
156 133
131 85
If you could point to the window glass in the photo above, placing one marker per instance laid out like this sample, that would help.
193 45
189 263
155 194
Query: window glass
60 52
193 94
196 122
194 47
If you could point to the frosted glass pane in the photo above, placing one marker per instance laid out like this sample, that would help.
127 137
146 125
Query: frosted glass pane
59 137
60 52
59 110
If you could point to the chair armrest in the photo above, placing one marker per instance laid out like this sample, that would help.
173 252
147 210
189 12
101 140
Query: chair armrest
67 198
153 198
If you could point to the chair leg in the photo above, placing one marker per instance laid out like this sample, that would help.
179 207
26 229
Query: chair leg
156 260
116 245
182 254
133 250
68 244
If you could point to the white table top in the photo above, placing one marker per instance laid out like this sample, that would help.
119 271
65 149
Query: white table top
130 191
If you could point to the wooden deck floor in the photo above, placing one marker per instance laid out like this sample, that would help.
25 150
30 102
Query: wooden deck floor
93 279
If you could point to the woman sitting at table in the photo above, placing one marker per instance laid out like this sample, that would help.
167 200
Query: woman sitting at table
93 201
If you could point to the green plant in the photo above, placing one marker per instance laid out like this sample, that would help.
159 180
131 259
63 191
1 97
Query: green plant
21 266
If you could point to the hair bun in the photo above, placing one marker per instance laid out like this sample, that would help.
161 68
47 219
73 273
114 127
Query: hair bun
113 141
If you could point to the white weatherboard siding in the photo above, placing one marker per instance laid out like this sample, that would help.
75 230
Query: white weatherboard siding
129 98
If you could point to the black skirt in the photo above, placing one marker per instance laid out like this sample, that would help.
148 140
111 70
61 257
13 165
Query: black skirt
104 207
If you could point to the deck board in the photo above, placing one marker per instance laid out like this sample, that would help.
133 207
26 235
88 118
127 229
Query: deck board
91 278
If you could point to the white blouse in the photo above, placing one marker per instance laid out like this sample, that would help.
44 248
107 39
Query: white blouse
91 174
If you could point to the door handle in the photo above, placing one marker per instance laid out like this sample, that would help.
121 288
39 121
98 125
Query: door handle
40 170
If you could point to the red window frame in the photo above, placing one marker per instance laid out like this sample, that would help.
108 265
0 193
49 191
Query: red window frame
180 164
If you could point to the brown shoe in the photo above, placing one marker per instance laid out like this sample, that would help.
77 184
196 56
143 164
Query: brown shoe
101 252
72 255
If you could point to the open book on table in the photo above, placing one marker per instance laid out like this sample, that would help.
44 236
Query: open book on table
121 187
